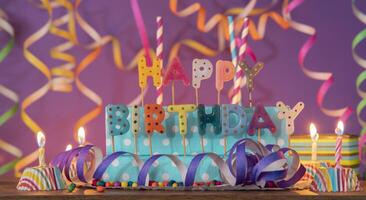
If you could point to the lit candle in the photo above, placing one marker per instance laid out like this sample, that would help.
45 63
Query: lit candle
338 151
314 137
81 136
68 147
41 140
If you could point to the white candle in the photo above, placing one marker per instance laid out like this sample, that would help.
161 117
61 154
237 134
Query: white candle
81 136
68 147
41 141
314 146
338 150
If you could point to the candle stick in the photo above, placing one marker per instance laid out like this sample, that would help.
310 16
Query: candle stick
81 137
239 75
159 55
41 141
338 153
314 137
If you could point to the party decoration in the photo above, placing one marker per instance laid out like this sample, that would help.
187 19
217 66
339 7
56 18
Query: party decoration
159 55
45 178
213 118
251 73
135 118
141 29
260 120
9 94
288 114
145 71
239 76
249 171
338 150
175 72
327 77
224 72
121 124
182 119
37 94
326 149
201 70
78 164
41 177
330 179
314 145
154 115
227 111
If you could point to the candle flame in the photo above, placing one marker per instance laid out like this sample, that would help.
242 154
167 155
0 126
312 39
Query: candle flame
68 147
81 136
41 139
313 132
340 128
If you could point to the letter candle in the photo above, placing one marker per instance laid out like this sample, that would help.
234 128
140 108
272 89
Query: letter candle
338 150
41 141
314 146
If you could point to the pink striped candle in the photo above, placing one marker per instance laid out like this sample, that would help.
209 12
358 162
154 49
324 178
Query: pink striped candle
338 149
239 75
159 55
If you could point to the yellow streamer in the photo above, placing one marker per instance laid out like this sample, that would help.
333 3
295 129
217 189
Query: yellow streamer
220 20
6 92
36 95
95 47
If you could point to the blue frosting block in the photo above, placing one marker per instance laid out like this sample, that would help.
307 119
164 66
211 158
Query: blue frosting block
170 142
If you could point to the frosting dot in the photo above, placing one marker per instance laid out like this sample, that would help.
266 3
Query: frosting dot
125 176
205 177
115 163
146 142
118 113
280 142
213 163
108 142
156 163
165 176
222 142
194 129
263 142
166 142
175 128
118 126
127 142
105 176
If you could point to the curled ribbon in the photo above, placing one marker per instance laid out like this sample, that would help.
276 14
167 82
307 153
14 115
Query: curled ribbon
327 77
11 95
78 165
359 81
36 95
360 61
249 163
95 47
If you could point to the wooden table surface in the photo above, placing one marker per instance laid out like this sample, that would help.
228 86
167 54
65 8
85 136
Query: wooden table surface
8 191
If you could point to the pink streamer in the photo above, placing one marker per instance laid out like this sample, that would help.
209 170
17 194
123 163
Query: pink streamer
141 28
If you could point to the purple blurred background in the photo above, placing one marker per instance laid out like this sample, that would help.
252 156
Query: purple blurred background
281 79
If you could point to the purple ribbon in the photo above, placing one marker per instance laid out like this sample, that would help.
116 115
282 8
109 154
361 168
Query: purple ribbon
146 167
83 154
98 174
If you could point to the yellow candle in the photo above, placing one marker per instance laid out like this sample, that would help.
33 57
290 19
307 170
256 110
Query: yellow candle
41 140
81 136
314 146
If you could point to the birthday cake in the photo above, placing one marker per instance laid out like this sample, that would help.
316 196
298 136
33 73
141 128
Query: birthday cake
326 149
